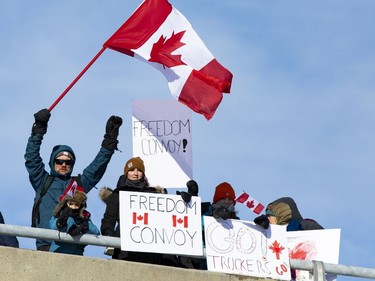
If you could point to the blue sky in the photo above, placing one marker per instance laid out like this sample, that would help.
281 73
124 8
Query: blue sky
299 120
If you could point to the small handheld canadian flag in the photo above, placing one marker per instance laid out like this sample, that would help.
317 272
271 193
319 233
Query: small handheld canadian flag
250 202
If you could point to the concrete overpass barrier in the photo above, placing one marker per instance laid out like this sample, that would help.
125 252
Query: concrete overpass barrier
32 265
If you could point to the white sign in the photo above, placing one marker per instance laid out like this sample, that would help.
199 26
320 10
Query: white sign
243 248
162 138
322 245
160 223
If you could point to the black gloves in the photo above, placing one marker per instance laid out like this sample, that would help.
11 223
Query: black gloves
111 132
64 215
193 188
262 221
41 121
81 224
79 227
184 195
192 191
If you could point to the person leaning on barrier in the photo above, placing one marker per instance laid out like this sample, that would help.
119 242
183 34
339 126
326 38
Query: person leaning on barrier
71 216
135 180
49 186
284 211
223 203
6 240
221 207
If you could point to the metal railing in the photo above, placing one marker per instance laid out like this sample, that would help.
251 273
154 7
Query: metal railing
318 268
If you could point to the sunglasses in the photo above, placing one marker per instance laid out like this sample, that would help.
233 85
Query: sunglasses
62 161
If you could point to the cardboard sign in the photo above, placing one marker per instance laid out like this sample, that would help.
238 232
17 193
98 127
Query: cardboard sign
160 223
162 133
243 248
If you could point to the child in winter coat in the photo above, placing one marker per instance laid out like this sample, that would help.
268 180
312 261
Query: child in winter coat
70 216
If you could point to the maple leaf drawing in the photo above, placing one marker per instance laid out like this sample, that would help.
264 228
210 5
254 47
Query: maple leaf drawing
276 248
162 50
180 221
140 217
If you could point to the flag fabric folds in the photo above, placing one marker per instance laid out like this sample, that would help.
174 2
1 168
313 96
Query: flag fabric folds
160 35
250 202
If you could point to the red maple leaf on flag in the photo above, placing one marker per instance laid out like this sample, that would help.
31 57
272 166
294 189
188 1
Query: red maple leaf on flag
277 249
250 204
162 50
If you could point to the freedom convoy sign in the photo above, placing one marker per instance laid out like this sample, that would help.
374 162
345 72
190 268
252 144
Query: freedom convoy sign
243 248
160 223
162 137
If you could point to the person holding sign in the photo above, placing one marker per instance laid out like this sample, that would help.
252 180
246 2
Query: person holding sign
222 207
133 179
284 211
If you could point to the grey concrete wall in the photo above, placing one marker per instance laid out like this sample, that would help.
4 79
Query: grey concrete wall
31 265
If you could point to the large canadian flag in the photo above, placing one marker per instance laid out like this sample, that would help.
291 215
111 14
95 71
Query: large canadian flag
159 34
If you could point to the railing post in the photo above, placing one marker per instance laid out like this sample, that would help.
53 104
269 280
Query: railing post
319 271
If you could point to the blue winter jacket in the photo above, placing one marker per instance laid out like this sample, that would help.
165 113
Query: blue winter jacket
90 176
70 248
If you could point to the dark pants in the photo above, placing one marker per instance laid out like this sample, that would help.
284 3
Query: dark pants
153 258
44 248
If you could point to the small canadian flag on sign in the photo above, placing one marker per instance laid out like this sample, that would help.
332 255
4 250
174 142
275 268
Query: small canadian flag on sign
139 217
180 221
250 202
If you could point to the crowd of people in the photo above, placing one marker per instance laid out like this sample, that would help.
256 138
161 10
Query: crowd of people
61 199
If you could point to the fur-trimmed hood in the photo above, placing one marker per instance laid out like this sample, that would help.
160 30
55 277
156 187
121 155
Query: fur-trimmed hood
75 193
78 197
104 193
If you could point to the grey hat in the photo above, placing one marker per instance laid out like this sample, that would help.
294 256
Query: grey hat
66 153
